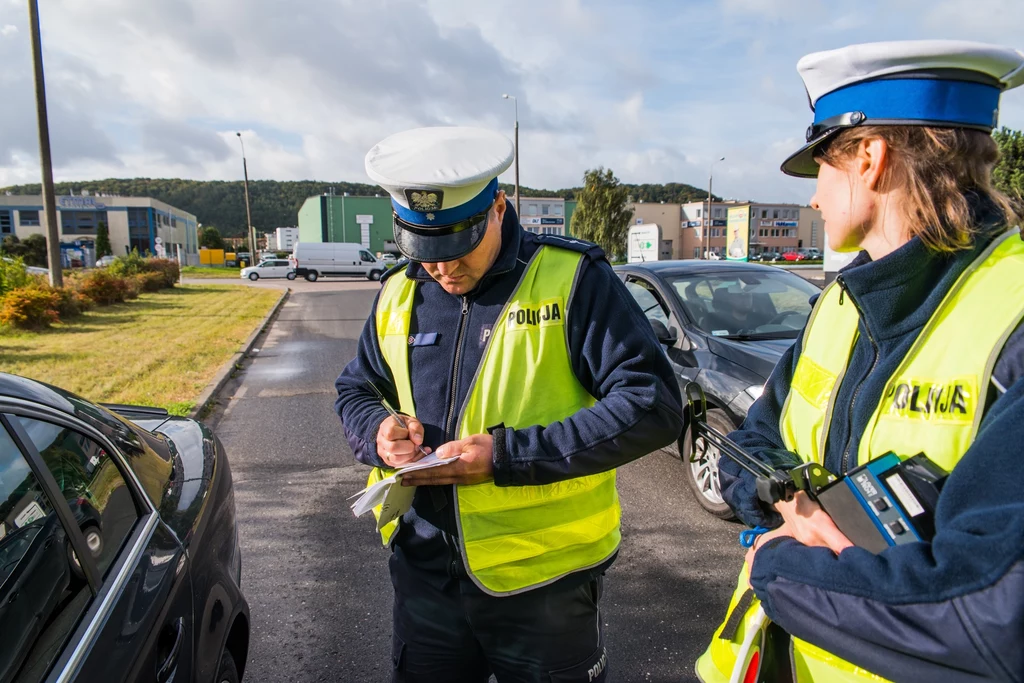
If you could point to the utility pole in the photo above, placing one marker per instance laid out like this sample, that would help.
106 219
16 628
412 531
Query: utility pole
248 215
49 206
707 216
516 103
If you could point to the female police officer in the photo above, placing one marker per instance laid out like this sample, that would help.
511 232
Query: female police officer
929 310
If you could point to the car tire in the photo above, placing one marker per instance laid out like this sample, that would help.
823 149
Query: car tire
227 672
374 275
702 476
254 276
291 275
312 276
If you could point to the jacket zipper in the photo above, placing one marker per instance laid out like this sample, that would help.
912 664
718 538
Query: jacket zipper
449 538
874 363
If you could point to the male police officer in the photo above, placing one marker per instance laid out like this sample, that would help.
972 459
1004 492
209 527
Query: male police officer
525 356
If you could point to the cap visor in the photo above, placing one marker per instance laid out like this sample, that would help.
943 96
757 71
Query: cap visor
801 164
418 244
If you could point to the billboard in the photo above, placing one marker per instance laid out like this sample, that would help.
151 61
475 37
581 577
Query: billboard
737 240
643 243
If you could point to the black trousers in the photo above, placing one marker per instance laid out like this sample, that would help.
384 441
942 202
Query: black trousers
448 631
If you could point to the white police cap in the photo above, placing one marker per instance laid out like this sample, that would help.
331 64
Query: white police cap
442 181
941 83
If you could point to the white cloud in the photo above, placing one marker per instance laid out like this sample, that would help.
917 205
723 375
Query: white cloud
8 30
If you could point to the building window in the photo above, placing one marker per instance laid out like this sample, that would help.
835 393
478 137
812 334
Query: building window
764 213
28 217
557 209
138 218
81 222
775 213
814 233
698 213
531 209
544 209
5 223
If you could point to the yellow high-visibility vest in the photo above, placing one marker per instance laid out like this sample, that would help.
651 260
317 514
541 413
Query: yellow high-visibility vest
933 403
516 538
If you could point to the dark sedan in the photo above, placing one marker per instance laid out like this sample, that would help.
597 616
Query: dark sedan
119 556
724 325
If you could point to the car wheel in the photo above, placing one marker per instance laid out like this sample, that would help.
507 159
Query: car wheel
291 275
227 672
93 539
374 275
702 475
254 276
311 277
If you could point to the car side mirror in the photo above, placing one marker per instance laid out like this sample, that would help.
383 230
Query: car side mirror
664 334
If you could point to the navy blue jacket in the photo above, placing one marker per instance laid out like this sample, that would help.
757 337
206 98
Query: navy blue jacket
614 354
949 610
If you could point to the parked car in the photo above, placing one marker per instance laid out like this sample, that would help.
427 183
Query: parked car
273 268
768 257
810 254
33 270
792 256
724 325
105 261
388 259
157 596
313 260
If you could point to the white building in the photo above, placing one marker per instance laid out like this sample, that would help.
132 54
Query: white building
132 223
285 239
543 216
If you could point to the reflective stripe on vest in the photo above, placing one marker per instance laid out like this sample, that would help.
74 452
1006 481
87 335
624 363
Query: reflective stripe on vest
518 537
933 403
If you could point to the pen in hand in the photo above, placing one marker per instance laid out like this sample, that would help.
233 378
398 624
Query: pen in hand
399 419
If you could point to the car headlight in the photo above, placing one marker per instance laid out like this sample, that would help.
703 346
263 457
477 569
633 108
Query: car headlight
755 391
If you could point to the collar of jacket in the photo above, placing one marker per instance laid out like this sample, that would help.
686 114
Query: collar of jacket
511 237
897 294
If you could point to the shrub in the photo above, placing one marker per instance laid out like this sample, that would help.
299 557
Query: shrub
29 308
168 268
104 287
131 264
70 302
152 282
13 275
133 286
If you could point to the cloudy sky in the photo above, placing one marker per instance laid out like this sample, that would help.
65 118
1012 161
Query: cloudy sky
654 90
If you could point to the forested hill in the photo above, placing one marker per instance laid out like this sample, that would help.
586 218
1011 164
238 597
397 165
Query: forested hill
276 203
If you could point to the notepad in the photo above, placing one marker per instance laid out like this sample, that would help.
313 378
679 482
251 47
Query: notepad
394 499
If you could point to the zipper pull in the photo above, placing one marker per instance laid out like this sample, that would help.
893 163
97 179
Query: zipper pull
842 289
465 305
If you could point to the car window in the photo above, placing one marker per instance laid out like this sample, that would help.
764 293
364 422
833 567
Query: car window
752 302
93 487
647 300
43 591
366 256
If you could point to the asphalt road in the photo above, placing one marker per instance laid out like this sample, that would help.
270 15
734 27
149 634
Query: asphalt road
316 577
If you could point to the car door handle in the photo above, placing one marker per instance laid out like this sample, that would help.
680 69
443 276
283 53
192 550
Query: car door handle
166 670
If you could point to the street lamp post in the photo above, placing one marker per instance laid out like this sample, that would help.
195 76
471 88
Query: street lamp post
707 216
248 214
516 103
49 208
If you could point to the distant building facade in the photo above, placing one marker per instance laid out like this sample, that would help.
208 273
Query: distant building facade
138 223
282 239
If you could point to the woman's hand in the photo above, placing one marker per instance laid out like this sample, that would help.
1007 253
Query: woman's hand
805 521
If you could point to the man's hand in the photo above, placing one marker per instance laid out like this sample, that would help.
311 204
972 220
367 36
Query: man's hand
811 525
474 466
397 445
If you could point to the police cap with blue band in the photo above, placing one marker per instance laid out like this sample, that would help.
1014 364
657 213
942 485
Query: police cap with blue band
442 182
939 83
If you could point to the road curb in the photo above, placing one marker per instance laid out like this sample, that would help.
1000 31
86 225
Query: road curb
224 374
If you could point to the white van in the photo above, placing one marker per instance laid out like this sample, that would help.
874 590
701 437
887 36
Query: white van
312 260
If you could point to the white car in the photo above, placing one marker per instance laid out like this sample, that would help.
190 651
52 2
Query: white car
32 270
270 268
105 261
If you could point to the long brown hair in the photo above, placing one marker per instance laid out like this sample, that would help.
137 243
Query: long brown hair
937 168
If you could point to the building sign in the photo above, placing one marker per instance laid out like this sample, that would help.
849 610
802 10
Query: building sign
551 221
364 219
530 221
738 234
639 221
766 224
693 224
719 222
785 224
643 243
79 203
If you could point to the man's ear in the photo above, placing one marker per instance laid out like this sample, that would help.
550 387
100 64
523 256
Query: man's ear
871 161
499 207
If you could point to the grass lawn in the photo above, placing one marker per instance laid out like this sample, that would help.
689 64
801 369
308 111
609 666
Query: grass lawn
161 349
210 271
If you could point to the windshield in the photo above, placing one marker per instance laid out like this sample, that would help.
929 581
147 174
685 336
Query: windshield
751 304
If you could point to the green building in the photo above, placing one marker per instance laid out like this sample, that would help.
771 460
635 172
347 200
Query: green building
362 220
368 221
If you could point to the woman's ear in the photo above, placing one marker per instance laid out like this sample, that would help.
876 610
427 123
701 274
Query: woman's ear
871 161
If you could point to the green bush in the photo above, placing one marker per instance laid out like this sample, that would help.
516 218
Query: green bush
70 302
29 308
104 287
130 264
13 275
152 282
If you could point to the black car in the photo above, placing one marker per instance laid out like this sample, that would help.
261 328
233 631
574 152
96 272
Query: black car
724 325
119 556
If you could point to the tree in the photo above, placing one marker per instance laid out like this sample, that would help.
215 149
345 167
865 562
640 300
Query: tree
103 247
602 213
1008 175
211 238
